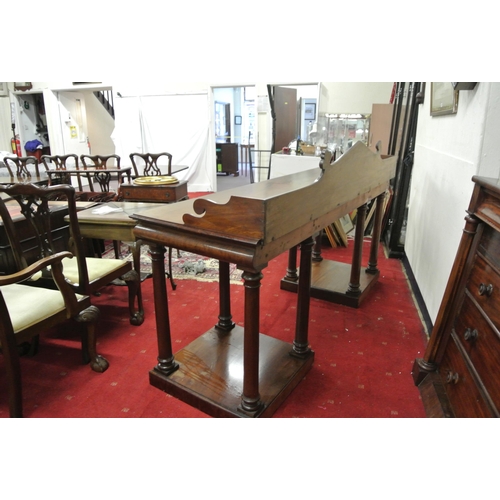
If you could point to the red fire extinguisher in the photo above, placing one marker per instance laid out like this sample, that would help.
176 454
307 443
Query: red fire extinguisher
15 144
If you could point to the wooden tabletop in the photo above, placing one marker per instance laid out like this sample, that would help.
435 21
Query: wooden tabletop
115 212
174 169
89 170
111 220
34 179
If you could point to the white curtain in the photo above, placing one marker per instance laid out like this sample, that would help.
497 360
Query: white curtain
177 124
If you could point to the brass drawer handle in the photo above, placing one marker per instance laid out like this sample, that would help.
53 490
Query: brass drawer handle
451 378
485 289
470 334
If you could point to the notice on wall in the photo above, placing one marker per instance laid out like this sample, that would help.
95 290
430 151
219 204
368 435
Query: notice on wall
263 104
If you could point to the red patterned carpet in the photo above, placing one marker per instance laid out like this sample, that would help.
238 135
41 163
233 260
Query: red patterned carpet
363 357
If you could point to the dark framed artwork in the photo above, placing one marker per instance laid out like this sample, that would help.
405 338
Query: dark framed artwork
444 99
237 120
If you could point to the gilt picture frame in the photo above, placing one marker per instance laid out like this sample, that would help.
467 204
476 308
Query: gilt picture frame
444 99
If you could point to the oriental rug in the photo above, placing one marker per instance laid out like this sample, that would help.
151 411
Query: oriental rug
185 265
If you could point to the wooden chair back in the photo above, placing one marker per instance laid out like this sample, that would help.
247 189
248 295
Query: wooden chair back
22 166
101 163
150 163
41 207
62 162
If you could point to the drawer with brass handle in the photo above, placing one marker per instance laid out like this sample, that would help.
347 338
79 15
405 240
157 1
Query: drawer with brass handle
460 387
484 287
481 342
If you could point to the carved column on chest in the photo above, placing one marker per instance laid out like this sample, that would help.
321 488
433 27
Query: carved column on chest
450 304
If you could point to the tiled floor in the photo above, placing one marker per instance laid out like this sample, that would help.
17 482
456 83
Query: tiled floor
230 181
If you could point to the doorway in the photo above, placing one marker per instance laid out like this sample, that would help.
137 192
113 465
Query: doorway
234 131
30 124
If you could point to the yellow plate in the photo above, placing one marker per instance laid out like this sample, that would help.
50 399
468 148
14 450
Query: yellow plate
156 180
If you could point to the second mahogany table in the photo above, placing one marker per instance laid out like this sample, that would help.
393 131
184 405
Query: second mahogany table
229 370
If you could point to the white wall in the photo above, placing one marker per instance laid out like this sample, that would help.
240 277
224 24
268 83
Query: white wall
5 126
100 126
356 97
449 150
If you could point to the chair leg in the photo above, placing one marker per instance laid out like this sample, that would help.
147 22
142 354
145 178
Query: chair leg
97 362
133 281
170 273
117 246
34 345
13 376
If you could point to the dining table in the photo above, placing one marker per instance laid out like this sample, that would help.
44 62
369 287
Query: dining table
112 221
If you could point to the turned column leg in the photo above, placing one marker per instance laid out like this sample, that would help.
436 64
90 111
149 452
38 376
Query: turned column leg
301 342
354 287
250 399
291 272
316 254
166 363
225 318
377 227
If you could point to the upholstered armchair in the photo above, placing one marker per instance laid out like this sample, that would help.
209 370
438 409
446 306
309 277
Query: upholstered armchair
27 311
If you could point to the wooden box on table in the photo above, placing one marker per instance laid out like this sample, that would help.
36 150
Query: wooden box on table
163 193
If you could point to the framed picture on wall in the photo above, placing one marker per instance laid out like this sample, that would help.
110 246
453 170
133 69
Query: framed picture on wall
309 111
444 99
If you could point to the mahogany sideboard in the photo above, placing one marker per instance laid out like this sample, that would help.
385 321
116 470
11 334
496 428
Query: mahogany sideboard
229 370
458 375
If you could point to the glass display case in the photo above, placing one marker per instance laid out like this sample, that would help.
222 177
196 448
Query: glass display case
338 132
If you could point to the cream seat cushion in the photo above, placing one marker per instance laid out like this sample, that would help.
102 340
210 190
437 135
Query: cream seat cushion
29 305
96 267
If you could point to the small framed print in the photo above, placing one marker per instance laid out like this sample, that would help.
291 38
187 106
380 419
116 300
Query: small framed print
444 99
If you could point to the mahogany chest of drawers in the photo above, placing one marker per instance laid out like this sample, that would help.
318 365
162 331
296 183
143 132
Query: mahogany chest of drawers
458 376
